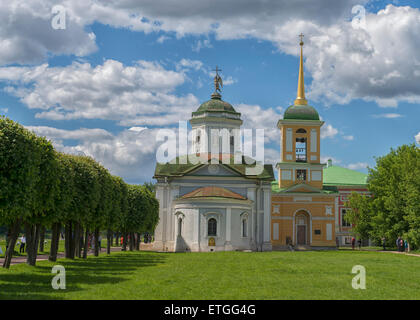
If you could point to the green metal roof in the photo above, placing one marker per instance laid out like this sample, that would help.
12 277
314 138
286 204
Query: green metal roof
215 104
301 112
339 176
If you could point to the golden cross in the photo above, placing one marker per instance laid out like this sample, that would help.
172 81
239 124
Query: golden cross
217 70
301 39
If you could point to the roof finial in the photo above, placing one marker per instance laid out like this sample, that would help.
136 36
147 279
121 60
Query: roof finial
300 98
218 84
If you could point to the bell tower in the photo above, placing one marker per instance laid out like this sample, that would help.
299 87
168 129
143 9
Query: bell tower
300 140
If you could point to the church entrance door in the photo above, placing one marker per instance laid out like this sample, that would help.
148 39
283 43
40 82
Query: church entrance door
301 235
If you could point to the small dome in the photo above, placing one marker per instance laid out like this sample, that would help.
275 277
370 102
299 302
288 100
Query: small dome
301 112
215 104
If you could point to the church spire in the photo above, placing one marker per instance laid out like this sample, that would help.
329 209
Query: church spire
300 98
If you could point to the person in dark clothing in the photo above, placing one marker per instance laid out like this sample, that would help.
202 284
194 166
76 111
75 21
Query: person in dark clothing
360 243
353 242
398 243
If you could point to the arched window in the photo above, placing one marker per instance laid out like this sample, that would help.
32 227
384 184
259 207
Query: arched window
244 228
301 130
179 227
212 227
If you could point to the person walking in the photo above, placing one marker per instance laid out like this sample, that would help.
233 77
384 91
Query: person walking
22 244
353 242
360 244
383 243
402 245
398 243
405 245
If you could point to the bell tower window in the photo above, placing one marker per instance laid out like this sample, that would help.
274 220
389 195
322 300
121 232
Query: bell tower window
301 149
301 175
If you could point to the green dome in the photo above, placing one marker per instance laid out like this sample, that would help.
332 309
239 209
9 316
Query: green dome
301 112
215 104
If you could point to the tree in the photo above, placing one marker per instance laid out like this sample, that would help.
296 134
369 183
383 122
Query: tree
42 200
20 159
394 208
63 200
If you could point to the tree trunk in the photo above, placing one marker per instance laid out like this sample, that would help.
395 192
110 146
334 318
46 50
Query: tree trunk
131 241
66 240
86 244
11 242
76 239
117 239
32 237
96 242
81 242
41 239
108 241
55 238
36 244
137 241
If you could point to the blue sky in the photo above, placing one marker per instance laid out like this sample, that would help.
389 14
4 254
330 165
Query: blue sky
94 86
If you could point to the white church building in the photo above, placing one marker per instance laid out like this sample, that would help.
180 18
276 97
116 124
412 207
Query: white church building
213 205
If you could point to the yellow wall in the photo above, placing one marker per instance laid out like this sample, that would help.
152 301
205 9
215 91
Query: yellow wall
288 205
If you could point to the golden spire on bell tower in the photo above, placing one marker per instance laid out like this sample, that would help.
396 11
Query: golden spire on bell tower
300 98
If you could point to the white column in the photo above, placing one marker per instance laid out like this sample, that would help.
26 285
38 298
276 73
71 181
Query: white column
267 220
228 224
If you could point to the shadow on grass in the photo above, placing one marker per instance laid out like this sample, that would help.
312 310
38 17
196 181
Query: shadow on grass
35 283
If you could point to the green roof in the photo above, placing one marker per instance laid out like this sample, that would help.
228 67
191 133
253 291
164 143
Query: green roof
178 170
215 104
301 112
325 189
339 176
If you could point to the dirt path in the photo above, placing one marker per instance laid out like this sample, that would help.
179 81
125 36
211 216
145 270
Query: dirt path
42 257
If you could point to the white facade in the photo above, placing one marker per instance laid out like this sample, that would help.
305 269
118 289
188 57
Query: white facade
240 224
237 216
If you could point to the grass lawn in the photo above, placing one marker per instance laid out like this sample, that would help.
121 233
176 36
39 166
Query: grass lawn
219 275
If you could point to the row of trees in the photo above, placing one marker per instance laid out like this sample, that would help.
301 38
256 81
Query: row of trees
393 208
41 188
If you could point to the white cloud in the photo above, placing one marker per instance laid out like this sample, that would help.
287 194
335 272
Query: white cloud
357 166
376 63
162 39
133 95
254 117
129 154
328 131
349 138
200 44
189 64
388 115
417 137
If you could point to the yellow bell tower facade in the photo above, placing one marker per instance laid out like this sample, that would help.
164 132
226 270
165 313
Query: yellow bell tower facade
300 140
303 211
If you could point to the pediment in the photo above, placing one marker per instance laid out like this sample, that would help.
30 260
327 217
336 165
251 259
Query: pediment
214 170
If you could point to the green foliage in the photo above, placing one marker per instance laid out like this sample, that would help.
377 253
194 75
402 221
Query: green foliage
19 170
39 186
394 208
